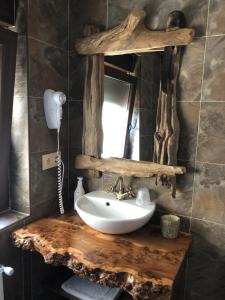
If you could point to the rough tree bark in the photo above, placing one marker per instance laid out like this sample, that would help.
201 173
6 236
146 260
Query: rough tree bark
166 138
132 36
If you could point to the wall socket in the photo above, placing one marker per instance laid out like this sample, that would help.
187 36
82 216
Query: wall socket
49 161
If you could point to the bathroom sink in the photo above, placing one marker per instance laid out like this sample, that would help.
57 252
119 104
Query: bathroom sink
103 212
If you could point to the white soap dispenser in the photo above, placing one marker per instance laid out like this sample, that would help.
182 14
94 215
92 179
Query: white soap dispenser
79 191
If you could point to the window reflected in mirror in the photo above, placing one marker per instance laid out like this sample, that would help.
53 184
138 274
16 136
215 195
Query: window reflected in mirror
115 116
118 105
131 85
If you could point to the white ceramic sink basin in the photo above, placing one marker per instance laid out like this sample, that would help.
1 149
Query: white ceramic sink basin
103 212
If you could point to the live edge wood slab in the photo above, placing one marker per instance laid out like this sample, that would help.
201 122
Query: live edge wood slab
142 263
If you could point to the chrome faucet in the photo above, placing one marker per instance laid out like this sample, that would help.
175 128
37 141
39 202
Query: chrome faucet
121 193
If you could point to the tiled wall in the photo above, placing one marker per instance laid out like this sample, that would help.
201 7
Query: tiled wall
52 63
201 97
42 62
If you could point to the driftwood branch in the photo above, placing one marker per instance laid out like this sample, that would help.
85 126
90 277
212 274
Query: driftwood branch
166 138
126 167
132 36
92 102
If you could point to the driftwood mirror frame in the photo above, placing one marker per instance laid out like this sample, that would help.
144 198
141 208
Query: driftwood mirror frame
131 36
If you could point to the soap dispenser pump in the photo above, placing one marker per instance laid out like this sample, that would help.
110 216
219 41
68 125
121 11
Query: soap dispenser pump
79 191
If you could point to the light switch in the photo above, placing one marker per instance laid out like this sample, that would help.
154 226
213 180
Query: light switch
49 161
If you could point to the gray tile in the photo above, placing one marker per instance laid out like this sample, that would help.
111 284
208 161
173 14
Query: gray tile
214 74
190 77
47 67
188 114
182 204
211 233
81 13
206 263
209 189
195 12
76 123
47 21
216 17
211 143
118 10
77 65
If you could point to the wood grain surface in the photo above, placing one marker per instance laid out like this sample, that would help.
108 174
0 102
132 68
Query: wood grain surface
142 263
132 36
126 167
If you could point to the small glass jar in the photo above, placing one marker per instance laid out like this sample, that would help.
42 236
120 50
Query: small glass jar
170 225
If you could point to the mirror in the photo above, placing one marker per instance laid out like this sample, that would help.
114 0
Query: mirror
129 106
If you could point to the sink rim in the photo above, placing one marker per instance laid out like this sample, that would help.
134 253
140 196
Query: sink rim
147 209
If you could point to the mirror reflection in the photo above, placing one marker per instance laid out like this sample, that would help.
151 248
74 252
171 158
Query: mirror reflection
129 107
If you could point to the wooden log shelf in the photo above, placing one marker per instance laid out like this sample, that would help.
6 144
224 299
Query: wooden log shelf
142 263
132 36
126 167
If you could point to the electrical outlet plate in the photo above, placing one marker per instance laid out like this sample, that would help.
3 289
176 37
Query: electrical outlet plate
49 161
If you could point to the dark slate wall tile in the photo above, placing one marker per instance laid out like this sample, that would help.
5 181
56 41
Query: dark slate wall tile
214 74
43 183
211 142
180 205
48 21
216 17
47 68
188 114
209 189
85 12
195 12
118 10
81 13
77 64
205 272
212 233
76 123
190 78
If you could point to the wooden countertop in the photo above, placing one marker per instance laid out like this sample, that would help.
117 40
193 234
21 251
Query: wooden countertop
143 263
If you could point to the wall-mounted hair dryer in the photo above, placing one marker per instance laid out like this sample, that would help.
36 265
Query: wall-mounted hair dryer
53 102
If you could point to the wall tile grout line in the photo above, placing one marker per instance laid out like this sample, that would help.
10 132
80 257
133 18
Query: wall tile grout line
199 117
196 152
44 42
